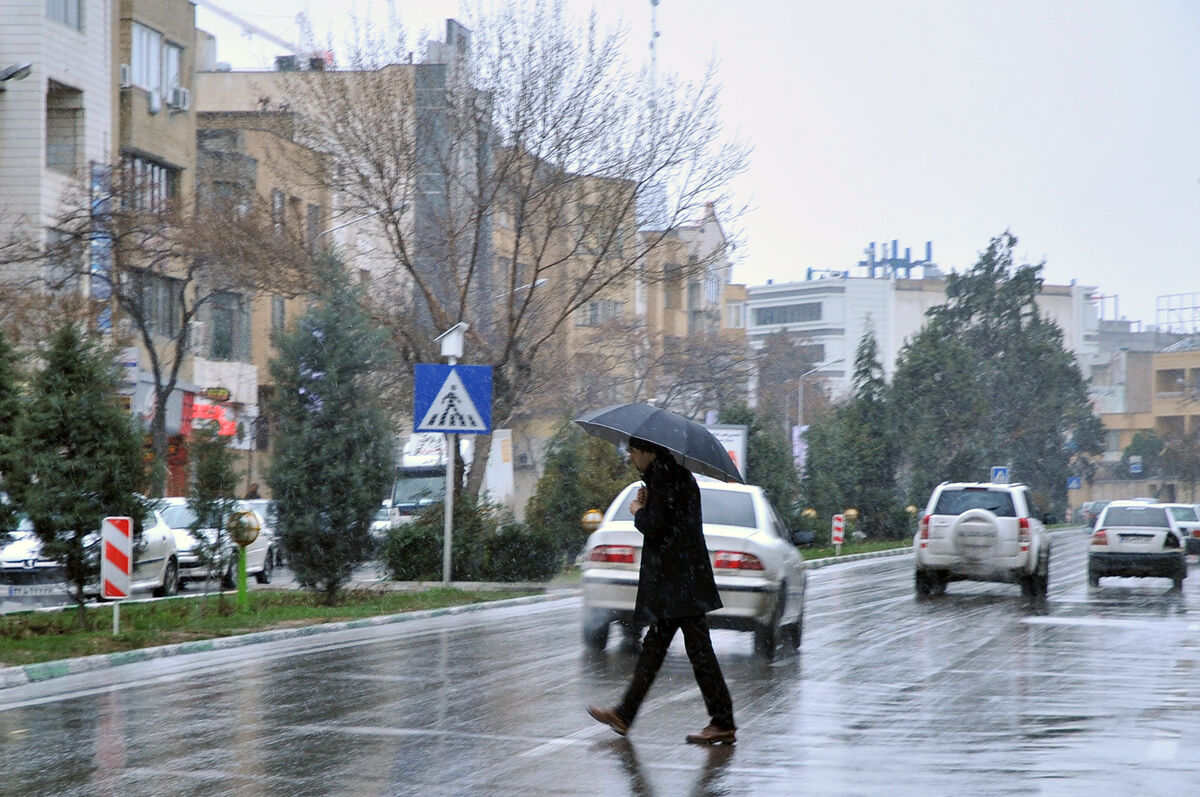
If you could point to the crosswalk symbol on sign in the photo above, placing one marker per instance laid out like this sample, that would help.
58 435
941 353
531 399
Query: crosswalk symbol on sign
452 408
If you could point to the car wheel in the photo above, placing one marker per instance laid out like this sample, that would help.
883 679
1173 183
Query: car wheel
927 584
1093 578
792 633
170 582
264 576
595 629
1042 577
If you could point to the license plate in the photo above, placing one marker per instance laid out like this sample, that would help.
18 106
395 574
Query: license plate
34 591
1136 539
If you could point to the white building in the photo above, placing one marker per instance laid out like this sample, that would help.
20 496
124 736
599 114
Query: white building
57 112
833 313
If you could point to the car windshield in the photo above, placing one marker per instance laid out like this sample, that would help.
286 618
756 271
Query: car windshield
1153 516
955 502
178 516
1185 513
719 507
263 506
418 489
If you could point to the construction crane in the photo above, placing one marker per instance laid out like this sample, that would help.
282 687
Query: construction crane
249 28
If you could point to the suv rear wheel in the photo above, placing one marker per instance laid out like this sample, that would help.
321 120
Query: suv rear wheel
929 583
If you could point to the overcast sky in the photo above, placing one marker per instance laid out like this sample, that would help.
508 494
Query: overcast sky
1075 124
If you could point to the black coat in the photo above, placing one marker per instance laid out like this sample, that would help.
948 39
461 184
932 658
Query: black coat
676 578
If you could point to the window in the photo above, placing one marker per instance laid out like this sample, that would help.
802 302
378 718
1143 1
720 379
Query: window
160 301
172 53
64 127
65 11
149 185
599 311
788 314
146 58
313 226
229 317
955 502
735 315
278 313
277 209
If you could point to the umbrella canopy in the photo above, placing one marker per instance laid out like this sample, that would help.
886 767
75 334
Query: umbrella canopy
693 445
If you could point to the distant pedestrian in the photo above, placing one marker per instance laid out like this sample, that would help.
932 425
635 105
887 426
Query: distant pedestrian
252 492
676 589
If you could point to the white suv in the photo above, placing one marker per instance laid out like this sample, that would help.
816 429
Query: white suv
982 531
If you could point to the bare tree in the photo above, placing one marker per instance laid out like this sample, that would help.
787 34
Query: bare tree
506 173
149 264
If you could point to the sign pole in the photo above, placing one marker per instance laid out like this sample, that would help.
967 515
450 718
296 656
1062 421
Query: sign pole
116 618
447 536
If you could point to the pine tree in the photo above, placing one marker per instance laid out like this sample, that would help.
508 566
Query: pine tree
333 454
581 473
81 456
211 498
10 408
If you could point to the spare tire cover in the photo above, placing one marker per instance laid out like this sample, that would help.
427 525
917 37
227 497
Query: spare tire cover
975 533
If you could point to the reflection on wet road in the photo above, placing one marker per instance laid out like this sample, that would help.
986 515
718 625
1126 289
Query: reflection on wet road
980 691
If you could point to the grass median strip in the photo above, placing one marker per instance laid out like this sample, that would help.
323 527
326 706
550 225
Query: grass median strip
36 637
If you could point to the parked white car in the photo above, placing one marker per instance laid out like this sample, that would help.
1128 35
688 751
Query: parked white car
759 573
982 531
1136 539
260 558
155 563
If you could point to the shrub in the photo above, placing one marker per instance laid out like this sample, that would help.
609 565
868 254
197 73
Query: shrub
518 553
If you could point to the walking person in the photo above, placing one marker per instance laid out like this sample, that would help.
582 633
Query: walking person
676 589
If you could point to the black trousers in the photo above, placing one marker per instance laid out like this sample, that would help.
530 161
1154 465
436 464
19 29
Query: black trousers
704 664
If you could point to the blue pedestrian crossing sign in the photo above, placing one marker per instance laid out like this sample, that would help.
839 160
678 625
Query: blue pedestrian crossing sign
1074 482
452 398
999 474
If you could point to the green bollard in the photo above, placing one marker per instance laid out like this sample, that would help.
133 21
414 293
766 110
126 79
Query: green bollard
243 596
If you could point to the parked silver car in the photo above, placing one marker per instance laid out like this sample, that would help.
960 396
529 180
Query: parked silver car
25 571
759 573
260 556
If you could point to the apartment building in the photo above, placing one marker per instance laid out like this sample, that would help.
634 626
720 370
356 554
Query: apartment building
57 111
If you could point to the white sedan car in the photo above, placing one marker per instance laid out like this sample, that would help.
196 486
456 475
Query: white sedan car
760 575
25 571
260 554
1136 539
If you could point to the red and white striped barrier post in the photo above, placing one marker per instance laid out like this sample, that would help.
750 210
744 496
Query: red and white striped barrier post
116 562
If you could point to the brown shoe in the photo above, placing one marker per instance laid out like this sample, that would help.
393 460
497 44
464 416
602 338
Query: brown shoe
609 717
713 735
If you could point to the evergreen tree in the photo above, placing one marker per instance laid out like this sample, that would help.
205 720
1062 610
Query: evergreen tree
852 452
1147 446
769 461
10 409
333 454
211 498
988 381
582 472
81 457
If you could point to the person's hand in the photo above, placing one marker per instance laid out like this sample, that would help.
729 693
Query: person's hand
638 502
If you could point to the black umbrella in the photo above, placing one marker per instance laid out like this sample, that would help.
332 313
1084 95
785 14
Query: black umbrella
693 445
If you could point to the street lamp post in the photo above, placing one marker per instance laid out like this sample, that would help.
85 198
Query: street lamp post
800 387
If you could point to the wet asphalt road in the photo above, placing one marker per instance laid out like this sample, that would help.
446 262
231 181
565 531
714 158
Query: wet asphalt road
977 692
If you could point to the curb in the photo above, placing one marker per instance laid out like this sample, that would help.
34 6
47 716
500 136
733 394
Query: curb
853 557
20 675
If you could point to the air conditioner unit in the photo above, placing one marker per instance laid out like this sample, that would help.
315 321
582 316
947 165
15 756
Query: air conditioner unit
126 79
154 101
181 98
